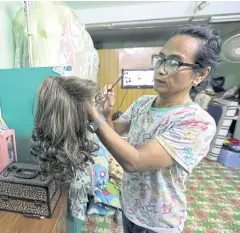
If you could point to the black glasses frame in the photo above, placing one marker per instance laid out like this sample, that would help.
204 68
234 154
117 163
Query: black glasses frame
179 62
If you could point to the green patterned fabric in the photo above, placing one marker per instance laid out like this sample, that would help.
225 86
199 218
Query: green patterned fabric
101 224
213 194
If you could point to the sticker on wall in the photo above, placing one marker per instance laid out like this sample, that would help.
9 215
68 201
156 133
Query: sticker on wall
62 69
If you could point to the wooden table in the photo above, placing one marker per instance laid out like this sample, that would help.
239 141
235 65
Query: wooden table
17 223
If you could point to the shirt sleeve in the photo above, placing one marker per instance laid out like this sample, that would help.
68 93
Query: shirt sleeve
127 116
188 140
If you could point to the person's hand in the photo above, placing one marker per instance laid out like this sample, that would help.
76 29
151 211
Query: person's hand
92 107
107 107
109 103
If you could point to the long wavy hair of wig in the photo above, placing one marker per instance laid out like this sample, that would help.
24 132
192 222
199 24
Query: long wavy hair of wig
59 139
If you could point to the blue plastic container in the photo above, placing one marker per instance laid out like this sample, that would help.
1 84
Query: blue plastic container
229 158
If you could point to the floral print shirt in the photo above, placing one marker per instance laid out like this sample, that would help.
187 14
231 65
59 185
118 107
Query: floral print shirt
155 199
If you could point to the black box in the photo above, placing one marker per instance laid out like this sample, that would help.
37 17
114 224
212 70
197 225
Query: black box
26 189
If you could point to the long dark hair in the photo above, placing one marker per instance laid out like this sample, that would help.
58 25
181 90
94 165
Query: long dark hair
59 138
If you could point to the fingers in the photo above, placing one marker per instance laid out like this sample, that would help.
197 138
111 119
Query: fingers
107 88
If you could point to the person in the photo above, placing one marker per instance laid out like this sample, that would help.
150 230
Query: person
168 134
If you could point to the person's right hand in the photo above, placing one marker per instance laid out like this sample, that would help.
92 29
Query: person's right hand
109 103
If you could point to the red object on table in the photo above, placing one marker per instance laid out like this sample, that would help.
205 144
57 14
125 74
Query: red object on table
234 141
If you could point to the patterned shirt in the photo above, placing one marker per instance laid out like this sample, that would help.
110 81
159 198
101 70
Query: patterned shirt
155 199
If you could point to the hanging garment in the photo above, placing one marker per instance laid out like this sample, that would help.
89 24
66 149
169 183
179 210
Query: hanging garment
58 38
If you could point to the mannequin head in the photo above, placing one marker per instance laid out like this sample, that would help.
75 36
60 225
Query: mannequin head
59 139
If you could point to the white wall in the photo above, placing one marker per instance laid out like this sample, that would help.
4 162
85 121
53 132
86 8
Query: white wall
156 10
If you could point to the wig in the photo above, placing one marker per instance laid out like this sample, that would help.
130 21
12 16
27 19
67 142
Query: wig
60 138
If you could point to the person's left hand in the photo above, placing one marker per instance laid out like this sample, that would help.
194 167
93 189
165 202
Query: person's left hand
107 106
92 107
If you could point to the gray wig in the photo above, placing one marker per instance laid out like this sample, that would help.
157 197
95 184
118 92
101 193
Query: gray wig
59 138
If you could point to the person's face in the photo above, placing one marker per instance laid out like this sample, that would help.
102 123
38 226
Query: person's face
179 48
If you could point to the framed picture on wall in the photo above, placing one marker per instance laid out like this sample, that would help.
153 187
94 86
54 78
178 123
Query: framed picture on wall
137 78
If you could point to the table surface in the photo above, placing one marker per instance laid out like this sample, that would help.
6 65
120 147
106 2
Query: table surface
17 223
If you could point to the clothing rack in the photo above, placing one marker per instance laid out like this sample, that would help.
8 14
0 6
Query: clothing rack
27 6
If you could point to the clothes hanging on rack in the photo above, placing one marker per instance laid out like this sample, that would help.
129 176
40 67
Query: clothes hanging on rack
58 38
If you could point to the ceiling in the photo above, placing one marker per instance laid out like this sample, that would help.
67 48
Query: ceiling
162 32
103 4
151 32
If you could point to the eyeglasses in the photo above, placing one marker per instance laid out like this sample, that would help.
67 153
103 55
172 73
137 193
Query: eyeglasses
170 66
